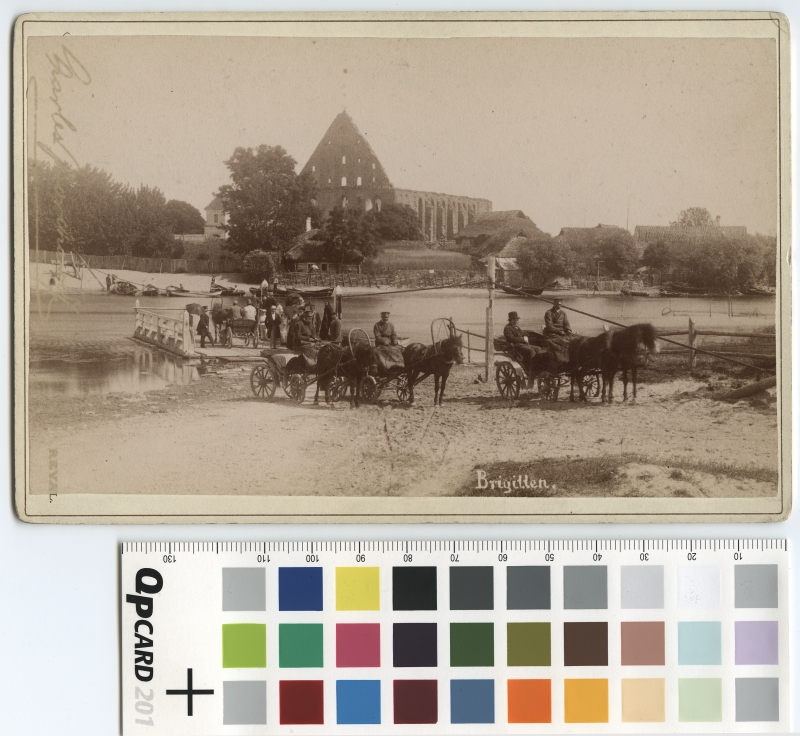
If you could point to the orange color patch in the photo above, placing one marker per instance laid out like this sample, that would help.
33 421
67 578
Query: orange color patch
529 701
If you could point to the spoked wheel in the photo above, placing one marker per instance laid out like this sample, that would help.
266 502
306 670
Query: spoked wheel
547 391
591 385
507 380
263 382
337 388
297 388
370 390
403 392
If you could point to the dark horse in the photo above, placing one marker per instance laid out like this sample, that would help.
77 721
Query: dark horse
423 360
339 360
611 352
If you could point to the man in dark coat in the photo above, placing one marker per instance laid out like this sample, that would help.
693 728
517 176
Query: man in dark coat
516 337
272 326
335 328
556 322
203 328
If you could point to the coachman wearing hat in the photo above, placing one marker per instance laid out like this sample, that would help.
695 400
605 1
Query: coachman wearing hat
516 337
556 323
384 331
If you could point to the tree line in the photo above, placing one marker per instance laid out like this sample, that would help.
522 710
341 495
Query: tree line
83 210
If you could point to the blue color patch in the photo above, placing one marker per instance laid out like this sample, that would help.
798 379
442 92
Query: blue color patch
358 701
699 642
471 701
300 588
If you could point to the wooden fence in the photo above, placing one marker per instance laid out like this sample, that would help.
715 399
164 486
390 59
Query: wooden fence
170 333
148 265
693 333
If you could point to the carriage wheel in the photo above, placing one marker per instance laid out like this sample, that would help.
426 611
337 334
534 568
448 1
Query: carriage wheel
403 392
370 390
507 380
337 388
263 382
297 388
246 340
591 384
545 384
227 338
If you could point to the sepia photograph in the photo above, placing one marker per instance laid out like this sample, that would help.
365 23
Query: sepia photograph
386 267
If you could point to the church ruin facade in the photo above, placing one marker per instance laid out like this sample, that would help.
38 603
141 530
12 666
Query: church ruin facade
349 174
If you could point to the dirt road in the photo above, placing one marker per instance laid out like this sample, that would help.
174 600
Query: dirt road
213 436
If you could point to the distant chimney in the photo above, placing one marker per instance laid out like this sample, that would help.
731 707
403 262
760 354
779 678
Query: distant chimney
717 222
308 223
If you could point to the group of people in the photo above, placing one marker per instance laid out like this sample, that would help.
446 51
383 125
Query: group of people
556 325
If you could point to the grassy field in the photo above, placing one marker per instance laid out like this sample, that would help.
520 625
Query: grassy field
418 260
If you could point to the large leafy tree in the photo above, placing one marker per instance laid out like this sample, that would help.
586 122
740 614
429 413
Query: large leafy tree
694 217
348 235
184 218
541 261
618 254
267 202
395 222
658 255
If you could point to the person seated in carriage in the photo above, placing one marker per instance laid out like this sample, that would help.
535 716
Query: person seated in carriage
384 331
516 337
249 311
556 323
305 331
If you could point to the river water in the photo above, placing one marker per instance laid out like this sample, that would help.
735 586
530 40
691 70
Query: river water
81 345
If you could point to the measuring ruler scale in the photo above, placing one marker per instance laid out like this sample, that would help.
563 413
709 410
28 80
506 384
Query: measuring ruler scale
455 637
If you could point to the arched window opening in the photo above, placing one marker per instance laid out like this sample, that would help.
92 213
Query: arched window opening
378 203
344 202
344 159
368 205
344 181
358 181
373 164
313 168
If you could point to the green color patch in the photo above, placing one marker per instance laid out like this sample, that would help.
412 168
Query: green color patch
300 645
472 645
699 700
528 644
244 645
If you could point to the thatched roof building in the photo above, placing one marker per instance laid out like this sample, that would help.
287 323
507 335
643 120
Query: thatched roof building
307 253
491 232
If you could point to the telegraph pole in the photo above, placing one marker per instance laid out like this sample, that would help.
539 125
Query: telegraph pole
490 320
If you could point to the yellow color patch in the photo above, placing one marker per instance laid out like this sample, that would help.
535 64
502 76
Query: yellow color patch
586 701
643 701
358 589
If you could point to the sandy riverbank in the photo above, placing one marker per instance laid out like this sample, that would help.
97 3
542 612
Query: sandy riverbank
213 436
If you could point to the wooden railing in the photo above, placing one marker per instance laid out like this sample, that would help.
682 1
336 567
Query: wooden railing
171 333
470 337
693 333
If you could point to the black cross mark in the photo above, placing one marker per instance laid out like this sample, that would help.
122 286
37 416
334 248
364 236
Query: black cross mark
189 692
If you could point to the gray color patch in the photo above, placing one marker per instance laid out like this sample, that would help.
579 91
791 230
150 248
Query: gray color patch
471 588
244 703
757 699
756 586
642 586
585 586
528 588
244 589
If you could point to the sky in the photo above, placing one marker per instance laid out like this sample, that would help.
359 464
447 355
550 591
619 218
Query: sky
574 132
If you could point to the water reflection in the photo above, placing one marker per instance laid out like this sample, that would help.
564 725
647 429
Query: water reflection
132 369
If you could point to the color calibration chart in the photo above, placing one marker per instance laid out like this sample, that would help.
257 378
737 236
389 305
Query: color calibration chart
455 637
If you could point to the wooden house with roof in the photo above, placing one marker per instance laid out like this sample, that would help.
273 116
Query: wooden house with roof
491 232
215 219
644 235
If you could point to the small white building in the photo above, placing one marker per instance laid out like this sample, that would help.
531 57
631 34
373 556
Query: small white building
215 218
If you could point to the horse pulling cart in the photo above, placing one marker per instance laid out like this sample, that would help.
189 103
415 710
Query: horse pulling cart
548 372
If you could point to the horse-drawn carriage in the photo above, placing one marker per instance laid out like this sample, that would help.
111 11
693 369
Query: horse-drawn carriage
356 363
548 371
227 327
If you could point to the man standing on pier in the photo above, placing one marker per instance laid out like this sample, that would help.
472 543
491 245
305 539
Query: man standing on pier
203 328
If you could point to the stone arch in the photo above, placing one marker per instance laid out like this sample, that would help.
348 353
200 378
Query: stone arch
344 181
377 204
367 204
